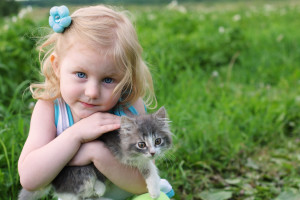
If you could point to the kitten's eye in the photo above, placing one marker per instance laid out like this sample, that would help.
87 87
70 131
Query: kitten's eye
108 80
80 75
158 141
141 145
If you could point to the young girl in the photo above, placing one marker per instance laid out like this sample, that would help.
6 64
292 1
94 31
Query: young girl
93 72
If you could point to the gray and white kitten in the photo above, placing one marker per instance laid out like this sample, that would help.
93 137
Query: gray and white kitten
140 140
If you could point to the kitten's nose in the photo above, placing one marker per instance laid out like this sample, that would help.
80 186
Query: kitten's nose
152 154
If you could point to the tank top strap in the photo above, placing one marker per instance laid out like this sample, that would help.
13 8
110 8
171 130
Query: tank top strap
70 117
62 115
133 110
119 110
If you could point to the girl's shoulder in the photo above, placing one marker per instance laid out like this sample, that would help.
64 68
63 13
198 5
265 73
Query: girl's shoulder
43 106
43 113
42 126
139 106
136 108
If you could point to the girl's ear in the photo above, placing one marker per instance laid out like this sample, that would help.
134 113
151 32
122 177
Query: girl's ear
54 63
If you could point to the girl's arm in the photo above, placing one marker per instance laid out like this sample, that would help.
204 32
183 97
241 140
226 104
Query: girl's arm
44 155
127 178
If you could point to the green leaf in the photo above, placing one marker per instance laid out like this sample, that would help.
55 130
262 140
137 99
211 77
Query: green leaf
251 164
233 181
290 194
215 195
1 177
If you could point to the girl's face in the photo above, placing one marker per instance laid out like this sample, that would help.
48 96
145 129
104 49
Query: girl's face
87 81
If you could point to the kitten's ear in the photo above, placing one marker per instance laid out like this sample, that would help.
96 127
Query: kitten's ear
161 113
162 117
127 120
127 124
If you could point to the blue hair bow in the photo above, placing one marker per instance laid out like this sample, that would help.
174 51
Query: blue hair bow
59 18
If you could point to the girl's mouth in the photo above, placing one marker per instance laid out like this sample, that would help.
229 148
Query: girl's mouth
87 104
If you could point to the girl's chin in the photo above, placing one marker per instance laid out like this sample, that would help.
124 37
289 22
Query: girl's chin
81 115
86 114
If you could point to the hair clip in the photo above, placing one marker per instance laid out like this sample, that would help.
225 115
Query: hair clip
59 18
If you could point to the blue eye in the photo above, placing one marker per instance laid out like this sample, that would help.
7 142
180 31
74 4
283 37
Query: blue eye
108 80
80 75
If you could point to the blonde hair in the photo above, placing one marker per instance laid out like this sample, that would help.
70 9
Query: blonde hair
113 34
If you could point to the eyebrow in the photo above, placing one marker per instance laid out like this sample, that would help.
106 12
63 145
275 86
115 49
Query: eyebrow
113 74
79 68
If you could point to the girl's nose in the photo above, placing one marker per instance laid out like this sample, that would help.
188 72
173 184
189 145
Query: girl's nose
92 90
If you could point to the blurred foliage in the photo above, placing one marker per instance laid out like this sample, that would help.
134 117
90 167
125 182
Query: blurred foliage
229 79
49 3
17 58
18 67
188 36
8 7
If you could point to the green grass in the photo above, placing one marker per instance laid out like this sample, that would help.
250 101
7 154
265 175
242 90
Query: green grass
228 75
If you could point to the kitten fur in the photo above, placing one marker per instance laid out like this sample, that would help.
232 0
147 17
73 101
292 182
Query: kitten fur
140 140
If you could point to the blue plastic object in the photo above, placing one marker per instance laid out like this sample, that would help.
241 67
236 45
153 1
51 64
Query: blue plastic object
59 18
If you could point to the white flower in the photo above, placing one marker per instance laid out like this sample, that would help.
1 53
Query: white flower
175 6
29 8
236 17
172 5
292 124
14 19
269 8
151 17
24 11
31 105
221 29
6 27
181 9
215 74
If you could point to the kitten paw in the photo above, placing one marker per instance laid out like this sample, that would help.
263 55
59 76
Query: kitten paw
154 192
99 188
155 196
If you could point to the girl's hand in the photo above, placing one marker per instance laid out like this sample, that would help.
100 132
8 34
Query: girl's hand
92 127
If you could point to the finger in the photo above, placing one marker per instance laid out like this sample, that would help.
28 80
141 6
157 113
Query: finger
103 122
113 117
107 116
109 119
108 127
